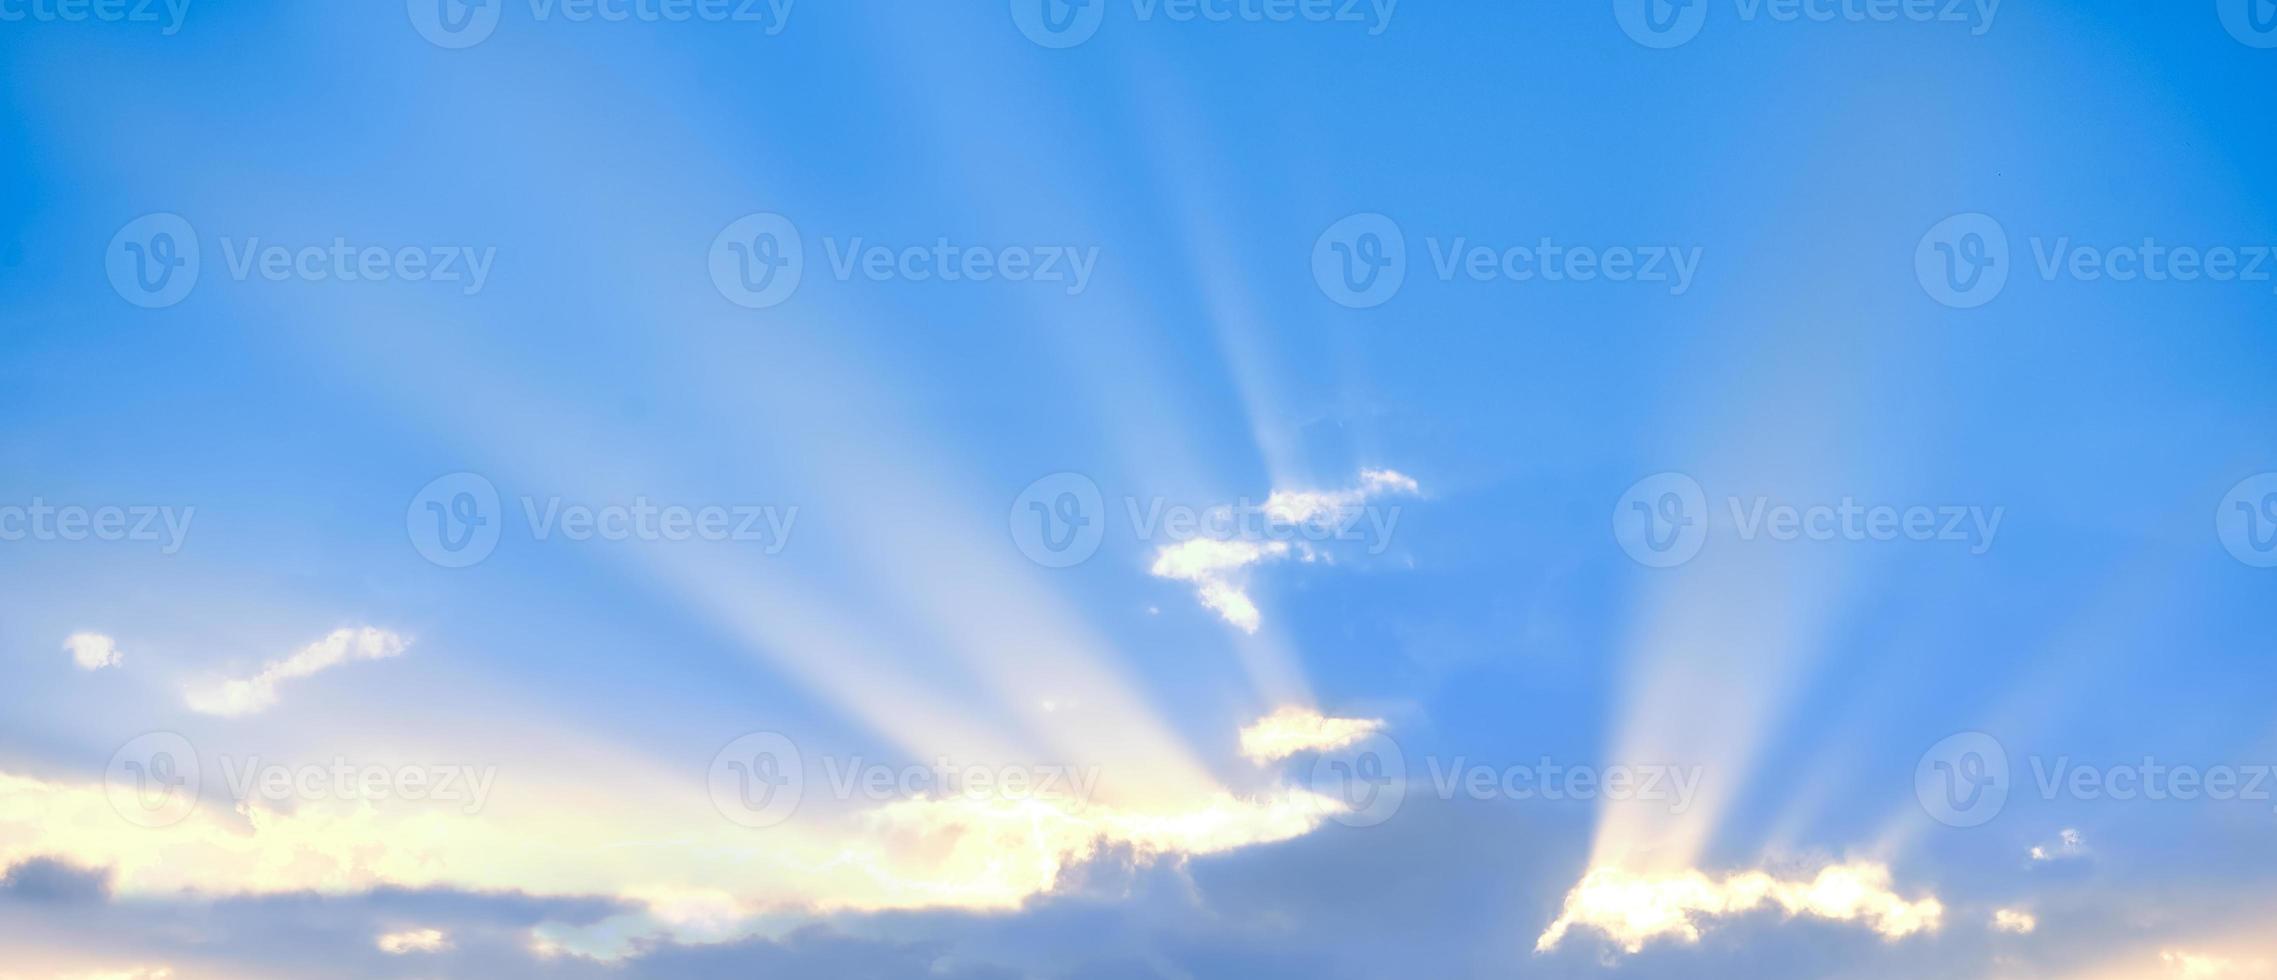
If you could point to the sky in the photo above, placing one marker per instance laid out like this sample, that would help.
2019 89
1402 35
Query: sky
1137 488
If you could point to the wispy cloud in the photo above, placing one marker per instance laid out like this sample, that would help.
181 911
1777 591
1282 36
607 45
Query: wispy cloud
1293 519
2067 845
258 693
1292 729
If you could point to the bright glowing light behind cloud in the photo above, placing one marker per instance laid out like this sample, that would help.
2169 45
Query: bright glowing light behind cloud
258 693
414 941
1292 730
1633 909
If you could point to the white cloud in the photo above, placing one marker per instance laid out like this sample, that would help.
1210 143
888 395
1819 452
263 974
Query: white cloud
2205 966
1320 507
414 941
92 651
2068 844
1292 730
1632 909
2014 920
259 692
1215 565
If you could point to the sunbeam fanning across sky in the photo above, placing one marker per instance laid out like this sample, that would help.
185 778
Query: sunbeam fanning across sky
1066 488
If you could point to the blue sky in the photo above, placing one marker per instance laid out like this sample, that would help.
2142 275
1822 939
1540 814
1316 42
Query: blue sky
1850 417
